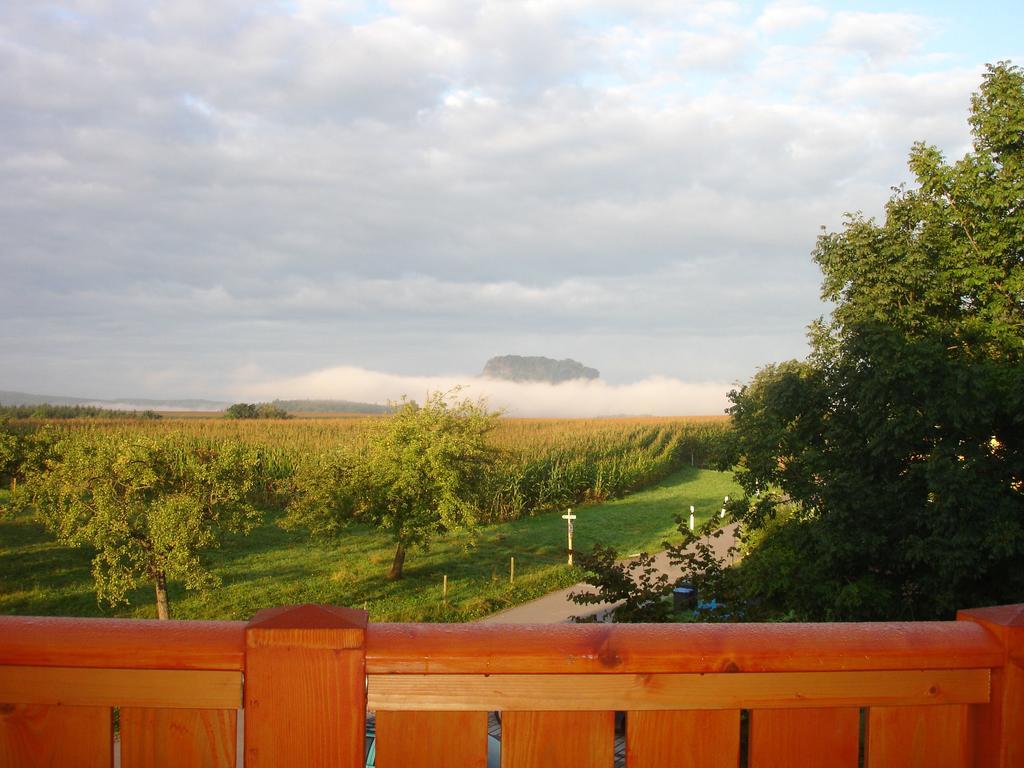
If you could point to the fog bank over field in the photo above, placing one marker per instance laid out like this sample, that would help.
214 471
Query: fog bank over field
654 396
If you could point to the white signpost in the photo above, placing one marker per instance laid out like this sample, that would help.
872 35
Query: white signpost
691 517
569 517
722 513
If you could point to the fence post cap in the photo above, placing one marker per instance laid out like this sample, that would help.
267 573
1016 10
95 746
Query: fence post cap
309 616
996 615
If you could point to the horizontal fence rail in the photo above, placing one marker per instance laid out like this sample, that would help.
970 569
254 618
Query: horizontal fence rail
651 648
930 694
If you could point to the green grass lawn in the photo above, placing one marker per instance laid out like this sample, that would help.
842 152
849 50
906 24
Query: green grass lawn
274 567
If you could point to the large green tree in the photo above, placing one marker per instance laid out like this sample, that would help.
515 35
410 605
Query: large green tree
417 474
149 507
885 473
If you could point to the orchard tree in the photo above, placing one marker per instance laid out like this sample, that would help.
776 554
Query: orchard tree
22 452
897 447
149 507
417 475
8 452
9 460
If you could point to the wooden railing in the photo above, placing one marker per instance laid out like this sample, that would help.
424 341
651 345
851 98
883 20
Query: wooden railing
889 694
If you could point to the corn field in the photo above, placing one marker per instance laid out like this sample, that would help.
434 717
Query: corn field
544 463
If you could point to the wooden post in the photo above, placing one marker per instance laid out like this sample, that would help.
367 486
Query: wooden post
998 727
305 688
512 571
569 517
444 589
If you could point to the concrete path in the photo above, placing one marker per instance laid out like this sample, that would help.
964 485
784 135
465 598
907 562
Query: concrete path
556 607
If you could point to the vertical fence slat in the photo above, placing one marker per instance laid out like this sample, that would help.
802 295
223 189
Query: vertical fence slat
918 737
997 728
431 739
305 688
557 740
810 738
70 737
178 738
683 739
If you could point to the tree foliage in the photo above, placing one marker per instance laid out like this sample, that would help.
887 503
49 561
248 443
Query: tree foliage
642 593
8 451
149 507
635 586
23 450
417 475
898 445
255 411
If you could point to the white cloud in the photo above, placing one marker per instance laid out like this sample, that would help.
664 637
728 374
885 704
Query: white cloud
202 186
881 37
788 15
656 396
720 50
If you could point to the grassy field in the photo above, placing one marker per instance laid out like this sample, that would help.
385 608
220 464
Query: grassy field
274 567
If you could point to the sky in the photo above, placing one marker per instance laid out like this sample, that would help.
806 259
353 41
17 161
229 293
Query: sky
306 198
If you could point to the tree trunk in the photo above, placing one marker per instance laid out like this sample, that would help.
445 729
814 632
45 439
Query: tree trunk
397 563
161 597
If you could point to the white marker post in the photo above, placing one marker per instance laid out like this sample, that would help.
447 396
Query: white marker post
722 513
691 517
569 517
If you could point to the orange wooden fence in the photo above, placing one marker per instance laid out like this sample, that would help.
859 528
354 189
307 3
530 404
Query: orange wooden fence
929 694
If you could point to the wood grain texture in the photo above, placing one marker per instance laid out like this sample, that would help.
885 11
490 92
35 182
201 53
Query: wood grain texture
121 643
639 648
635 692
121 687
431 740
305 689
998 727
178 738
68 737
683 739
557 739
918 737
808 738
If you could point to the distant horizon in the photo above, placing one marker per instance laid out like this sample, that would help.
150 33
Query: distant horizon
577 398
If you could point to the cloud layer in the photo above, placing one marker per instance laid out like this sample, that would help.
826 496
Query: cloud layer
655 396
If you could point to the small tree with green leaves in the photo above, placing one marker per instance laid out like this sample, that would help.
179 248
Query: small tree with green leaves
639 592
418 475
150 507
642 594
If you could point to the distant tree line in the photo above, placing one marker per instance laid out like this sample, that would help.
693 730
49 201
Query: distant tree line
48 411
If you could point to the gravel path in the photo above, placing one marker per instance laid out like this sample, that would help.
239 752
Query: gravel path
556 607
